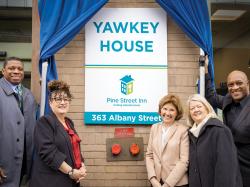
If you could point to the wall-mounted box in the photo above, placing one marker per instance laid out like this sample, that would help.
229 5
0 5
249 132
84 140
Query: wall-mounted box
125 153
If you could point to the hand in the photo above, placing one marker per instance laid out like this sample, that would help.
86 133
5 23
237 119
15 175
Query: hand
165 185
78 175
82 169
79 179
155 182
2 176
206 64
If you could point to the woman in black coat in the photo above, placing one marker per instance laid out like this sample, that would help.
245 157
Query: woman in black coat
212 153
57 161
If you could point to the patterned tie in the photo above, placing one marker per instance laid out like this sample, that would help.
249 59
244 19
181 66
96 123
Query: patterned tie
19 92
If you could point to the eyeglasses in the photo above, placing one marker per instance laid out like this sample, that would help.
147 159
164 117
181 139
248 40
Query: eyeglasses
58 100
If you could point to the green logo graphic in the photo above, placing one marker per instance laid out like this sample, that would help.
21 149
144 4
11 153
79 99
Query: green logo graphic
127 84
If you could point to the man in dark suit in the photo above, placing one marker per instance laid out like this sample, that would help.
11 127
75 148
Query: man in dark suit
236 114
17 122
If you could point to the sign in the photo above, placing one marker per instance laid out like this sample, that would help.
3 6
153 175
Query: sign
126 65
124 132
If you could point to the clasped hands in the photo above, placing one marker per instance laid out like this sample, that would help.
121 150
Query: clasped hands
79 174
156 183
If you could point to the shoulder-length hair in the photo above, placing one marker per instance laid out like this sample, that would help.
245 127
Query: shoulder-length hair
174 100
201 99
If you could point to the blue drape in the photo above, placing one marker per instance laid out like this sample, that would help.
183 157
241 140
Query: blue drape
193 18
60 21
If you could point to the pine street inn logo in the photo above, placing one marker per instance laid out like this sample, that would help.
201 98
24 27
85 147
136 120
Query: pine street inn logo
127 89
127 84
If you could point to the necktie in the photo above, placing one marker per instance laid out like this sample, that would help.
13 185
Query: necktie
19 93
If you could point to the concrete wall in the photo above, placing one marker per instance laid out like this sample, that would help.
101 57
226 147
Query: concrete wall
234 56
229 59
21 50
183 71
16 3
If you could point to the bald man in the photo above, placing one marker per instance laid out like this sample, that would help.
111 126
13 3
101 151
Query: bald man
236 115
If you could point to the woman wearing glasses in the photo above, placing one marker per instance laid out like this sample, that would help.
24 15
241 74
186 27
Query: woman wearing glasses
58 160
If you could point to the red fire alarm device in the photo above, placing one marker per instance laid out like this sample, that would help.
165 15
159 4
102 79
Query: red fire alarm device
134 149
116 149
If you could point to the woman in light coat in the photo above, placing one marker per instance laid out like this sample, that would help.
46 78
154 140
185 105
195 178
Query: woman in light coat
167 151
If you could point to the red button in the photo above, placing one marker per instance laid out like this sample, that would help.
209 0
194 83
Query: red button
134 149
116 149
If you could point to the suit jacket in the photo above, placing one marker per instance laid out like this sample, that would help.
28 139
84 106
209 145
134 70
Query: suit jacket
52 147
170 162
14 128
240 128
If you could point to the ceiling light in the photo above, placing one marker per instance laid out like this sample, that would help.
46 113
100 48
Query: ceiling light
227 15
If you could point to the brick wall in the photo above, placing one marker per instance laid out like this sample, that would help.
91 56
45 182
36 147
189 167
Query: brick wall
182 73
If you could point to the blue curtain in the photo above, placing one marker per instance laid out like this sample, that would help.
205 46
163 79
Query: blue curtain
60 21
193 18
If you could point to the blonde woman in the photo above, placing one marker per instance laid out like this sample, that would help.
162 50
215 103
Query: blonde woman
168 146
212 153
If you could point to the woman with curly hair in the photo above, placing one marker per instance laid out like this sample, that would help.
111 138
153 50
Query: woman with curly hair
58 161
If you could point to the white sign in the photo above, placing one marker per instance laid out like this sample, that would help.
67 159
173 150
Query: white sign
126 65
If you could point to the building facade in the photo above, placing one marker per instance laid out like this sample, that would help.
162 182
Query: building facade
183 72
